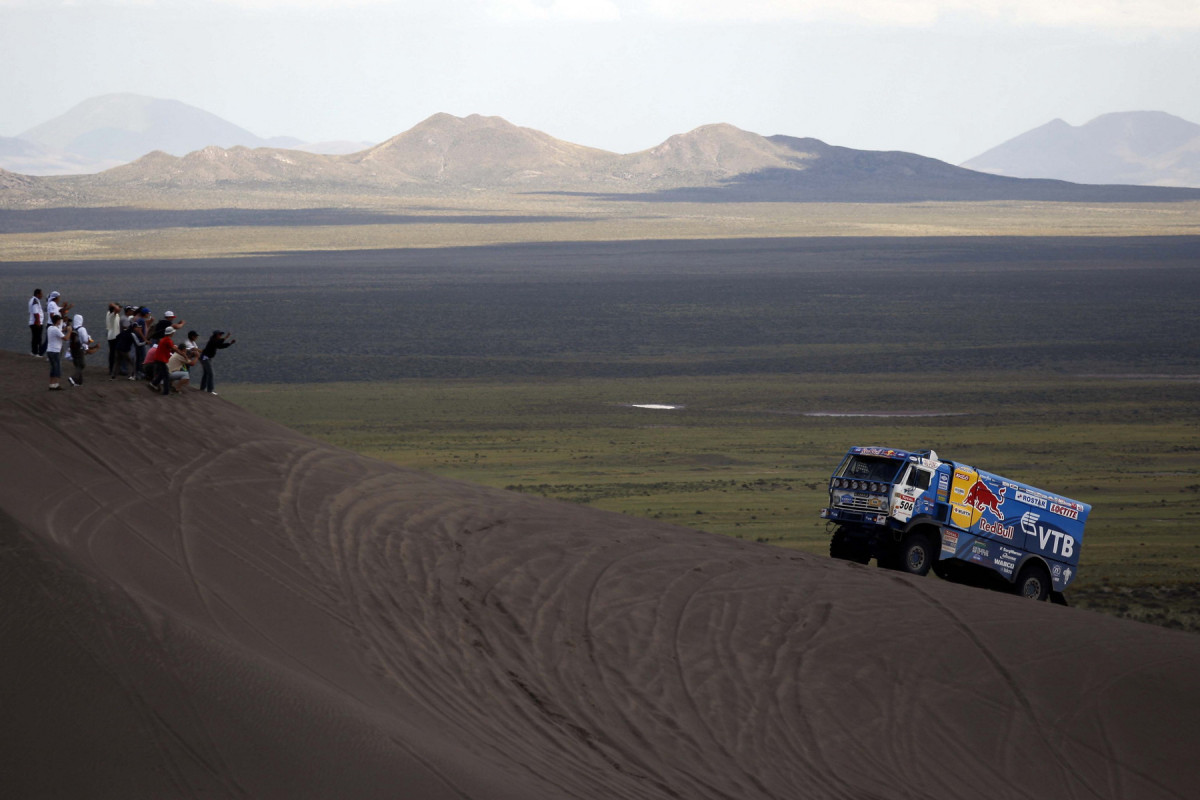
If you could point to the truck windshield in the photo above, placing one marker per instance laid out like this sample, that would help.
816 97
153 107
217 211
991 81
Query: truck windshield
870 468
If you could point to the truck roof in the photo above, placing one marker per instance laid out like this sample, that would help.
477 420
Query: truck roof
888 452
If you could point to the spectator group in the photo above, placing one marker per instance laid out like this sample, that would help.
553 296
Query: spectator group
140 347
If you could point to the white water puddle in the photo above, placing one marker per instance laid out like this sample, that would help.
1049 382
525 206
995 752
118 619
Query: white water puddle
883 414
871 414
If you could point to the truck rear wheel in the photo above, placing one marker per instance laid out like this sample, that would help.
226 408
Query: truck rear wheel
1033 582
916 555
843 547
946 571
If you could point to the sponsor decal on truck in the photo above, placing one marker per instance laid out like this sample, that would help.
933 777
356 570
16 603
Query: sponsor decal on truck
1030 499
985 499
949 541
997 529
1064 511
1047 537
954 513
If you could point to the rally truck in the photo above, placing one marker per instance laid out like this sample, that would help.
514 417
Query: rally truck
912 511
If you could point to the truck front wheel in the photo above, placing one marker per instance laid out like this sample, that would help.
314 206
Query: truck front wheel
917 554
848 549
1033 581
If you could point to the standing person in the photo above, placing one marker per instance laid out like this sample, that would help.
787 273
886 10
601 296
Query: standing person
163 351
37 324
54 345
124 360
112 329
80 344
52 306
139 328
168 321
218 341
56 305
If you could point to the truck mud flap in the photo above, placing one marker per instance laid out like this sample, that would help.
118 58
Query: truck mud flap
1058 598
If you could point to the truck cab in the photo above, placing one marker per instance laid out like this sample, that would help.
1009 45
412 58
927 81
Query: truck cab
913 511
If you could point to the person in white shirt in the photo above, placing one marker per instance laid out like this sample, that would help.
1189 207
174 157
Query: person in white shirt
54 345
81 345
53 306
112 329
37 324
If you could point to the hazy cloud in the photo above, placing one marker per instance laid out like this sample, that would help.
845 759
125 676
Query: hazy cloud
1137 14
1085 13
192 4
545 10
944 78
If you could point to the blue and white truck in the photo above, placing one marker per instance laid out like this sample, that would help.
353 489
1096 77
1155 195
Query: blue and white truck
913 511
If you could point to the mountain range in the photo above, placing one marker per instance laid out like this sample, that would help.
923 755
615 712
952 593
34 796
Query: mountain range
1141 147
1149 148
446 154
114 129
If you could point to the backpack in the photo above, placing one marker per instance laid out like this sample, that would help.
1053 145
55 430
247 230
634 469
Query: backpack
124 340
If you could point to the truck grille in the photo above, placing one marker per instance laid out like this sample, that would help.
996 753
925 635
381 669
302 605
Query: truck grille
859 502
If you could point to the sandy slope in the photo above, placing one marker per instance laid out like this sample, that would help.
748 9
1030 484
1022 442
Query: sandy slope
198 603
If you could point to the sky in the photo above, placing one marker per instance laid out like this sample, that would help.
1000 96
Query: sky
944 78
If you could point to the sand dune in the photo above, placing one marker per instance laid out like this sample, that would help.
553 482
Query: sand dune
198 603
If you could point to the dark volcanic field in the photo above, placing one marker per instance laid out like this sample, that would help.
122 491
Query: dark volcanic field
676 307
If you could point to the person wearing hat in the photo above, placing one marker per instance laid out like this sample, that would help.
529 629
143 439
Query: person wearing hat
54 346
80 344
218 341
168 320
163 351
54 307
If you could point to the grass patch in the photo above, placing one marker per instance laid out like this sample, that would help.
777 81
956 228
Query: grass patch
223 224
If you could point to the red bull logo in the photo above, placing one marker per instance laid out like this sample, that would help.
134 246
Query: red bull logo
997 529
985 499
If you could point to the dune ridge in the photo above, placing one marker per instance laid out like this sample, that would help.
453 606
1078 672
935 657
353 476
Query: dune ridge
225 608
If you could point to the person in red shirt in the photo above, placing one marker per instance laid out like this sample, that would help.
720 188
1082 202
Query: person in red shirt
162 354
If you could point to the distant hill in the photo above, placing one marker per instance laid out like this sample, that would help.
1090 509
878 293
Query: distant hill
710 153
1147 148
826 173
115 129
337 147
446 154
31 158
123 127
14 182
480 151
